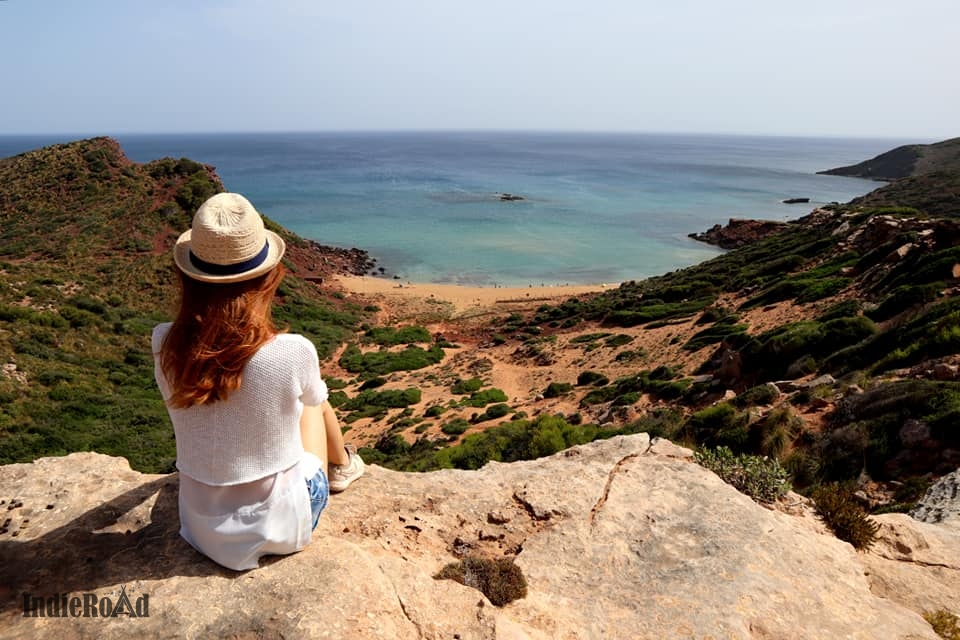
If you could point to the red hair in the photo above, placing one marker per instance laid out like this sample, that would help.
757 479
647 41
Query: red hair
218 328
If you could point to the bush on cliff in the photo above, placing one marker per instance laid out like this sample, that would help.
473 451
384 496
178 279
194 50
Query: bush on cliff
845 517
761 478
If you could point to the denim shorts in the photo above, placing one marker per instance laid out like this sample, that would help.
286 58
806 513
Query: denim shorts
319 490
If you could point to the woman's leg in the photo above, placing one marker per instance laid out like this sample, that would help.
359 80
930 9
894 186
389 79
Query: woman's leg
345 464
334 445
313 433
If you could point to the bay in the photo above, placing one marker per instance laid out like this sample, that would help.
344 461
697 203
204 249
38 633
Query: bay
595 208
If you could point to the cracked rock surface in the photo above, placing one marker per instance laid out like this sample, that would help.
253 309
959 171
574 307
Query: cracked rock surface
941 501
621 538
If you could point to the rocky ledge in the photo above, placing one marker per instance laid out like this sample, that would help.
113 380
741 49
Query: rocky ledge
739 232
622 538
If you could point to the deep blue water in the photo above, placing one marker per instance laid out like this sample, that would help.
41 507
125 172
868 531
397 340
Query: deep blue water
596 208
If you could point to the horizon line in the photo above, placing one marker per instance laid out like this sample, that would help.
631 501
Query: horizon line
500 131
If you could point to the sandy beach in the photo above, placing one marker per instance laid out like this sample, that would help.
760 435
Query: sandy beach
464 298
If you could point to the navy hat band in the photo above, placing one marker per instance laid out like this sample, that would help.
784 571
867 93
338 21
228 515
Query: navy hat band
231 269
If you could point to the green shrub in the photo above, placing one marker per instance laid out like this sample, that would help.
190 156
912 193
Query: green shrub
713 314
717 333
557 389
493 412
79 317
463 387
382 362
455 427
905 297
629 355
434 411
844 309
195 191
628 398
592 378
760 478
335 383
661 422
373 383
389 336
814 290
599 396
52 376
664 372
88 304
485 397
394 398
841 513
618 340
719 425
392 444
500 579
759 395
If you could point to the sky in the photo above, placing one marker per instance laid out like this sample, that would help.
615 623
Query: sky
847 68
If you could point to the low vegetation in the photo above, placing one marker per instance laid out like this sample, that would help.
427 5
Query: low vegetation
761 478
847 519
500 579
945 624
375 363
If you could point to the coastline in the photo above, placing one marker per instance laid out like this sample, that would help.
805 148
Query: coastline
464 298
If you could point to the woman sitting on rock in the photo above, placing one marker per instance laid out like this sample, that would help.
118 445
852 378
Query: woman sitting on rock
249 409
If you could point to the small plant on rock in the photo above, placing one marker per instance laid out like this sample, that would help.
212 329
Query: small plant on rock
945 624
499 579
761 478
844 516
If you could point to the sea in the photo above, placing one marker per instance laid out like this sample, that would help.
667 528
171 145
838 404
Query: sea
591 208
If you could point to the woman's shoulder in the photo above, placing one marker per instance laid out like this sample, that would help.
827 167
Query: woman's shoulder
159 333
162 328
289 348
294 341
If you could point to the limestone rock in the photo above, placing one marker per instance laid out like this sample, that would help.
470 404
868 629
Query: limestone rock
915 563
617 539
941 501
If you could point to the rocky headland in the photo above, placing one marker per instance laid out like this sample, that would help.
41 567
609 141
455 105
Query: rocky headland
738 232
905 161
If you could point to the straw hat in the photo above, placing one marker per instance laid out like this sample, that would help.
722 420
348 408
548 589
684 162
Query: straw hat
227 242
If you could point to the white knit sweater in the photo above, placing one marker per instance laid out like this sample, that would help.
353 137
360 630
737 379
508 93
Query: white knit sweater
255 432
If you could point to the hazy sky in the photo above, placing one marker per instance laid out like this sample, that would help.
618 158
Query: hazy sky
884 68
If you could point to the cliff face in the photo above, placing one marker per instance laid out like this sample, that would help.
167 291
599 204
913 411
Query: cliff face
616 539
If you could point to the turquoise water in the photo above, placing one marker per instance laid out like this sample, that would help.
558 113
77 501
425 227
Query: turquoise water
596 208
